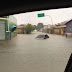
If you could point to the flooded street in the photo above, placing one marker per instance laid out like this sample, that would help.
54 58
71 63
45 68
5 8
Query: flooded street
24 53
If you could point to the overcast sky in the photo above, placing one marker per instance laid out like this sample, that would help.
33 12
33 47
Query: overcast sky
57 15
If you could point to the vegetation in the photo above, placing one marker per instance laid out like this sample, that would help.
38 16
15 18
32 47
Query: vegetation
29 28
34 27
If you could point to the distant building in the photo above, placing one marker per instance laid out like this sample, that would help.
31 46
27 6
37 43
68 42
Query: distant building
20 29
69 27
60 29
48 25
39 26
45 28
41 30
51 28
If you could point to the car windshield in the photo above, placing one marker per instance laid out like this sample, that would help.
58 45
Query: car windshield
38 41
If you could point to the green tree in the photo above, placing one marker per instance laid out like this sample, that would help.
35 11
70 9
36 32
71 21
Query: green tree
34 27
29 28
22 25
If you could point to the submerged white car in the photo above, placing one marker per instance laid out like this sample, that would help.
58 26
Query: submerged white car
42 36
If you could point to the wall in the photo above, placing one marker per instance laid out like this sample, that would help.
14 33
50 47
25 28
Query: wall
45 30
60 31
69 27
63 31
20 31
4 19
8 26
49 31
45 26
56 31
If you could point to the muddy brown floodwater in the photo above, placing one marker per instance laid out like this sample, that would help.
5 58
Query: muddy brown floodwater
24 53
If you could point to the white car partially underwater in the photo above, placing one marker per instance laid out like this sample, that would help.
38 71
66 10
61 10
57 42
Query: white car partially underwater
42 36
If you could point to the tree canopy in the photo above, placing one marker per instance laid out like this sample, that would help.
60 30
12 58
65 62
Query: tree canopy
29 28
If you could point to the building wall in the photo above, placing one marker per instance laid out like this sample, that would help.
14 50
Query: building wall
60 31
63 31
56 30
69 27
48 25
45 26
39 26
20 31
5 20
45 30
41 30
2 30
8 24
50 31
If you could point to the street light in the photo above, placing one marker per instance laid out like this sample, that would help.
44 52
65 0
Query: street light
43 15
51 19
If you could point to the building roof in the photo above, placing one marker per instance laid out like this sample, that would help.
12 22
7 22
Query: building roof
63 24
52 25
60 26
68 22
18 26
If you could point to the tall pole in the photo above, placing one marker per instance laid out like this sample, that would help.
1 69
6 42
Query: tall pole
51 19
43 15
10 35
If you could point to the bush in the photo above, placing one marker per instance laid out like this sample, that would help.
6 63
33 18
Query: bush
29 28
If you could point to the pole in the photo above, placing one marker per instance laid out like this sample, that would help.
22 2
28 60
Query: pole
51 19
10 35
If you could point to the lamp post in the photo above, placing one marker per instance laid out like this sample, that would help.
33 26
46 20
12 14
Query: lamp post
43 15
51 19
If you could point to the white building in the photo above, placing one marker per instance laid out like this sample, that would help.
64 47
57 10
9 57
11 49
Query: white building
45 26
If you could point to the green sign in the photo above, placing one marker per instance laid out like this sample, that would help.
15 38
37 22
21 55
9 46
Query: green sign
41 15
